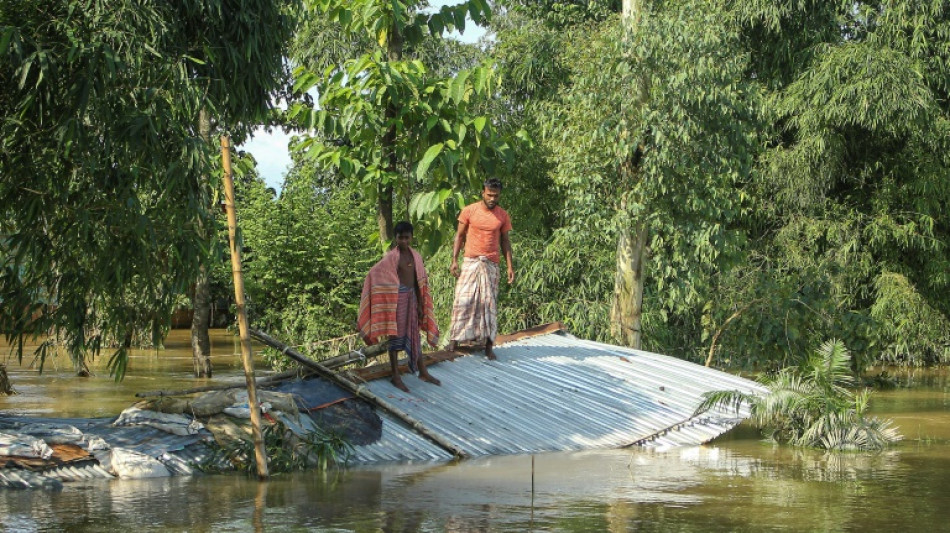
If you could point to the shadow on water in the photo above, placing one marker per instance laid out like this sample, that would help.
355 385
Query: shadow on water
736 483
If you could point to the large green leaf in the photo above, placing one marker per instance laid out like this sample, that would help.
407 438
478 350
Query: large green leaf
458 86
479 123
431 153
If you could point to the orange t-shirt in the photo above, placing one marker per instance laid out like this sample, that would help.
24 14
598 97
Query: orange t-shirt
485 227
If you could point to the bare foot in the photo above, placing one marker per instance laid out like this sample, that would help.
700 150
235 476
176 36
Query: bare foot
490 354
397 381
452 346
429 378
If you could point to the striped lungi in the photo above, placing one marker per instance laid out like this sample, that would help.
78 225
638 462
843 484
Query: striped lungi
475 311
407 338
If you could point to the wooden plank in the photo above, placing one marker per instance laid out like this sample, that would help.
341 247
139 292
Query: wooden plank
382 370
543 329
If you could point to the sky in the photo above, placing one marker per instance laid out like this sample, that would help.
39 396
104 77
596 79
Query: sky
270 148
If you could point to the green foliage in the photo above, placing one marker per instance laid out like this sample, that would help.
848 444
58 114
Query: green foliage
286 452
648 120
305 255
102 179
812 405
851 185
381 19
789 158
911 328
563 14
390 124
321 43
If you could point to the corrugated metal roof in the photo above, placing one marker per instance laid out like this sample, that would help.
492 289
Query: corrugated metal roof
399 443
555 392
551 392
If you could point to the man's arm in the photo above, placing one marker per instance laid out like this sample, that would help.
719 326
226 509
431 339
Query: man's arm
457 246
506 249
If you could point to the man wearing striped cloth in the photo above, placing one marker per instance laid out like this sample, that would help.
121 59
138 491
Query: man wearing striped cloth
483 230
396 304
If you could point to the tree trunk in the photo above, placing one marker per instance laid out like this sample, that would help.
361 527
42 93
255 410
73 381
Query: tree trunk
6 389
201 299
627 309
631 10
384 213
384 203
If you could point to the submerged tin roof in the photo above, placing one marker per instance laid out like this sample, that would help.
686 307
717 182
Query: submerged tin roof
177 453
554 392
550 392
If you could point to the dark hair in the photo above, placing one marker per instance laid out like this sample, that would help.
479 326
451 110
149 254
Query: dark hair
402 227
493 184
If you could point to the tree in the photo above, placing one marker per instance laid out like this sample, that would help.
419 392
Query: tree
103 192
850 185
390 124
650 118
238 49
306 253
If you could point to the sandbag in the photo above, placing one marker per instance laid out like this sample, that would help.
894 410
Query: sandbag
128 464
171 423
20 445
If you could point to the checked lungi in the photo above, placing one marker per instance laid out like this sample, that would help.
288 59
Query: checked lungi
383 301
475 311
408 338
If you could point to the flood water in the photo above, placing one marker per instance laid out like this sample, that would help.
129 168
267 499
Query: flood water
737 483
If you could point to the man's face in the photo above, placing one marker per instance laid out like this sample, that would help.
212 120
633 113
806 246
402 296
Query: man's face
403 240
490 197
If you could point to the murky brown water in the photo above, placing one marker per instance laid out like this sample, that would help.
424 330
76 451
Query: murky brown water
737 483
59 392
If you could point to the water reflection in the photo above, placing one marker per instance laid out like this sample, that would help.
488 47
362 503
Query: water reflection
58 392
745 486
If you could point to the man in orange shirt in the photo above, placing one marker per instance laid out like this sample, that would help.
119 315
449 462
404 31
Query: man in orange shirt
483 229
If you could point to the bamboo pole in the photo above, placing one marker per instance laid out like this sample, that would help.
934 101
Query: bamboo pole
359 391
246 354
356 355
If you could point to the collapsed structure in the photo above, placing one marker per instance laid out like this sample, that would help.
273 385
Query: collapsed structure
548 391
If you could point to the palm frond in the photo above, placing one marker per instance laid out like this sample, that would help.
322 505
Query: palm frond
812 405
717 399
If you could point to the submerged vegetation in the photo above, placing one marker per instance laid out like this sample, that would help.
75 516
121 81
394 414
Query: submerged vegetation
286 452
813 406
